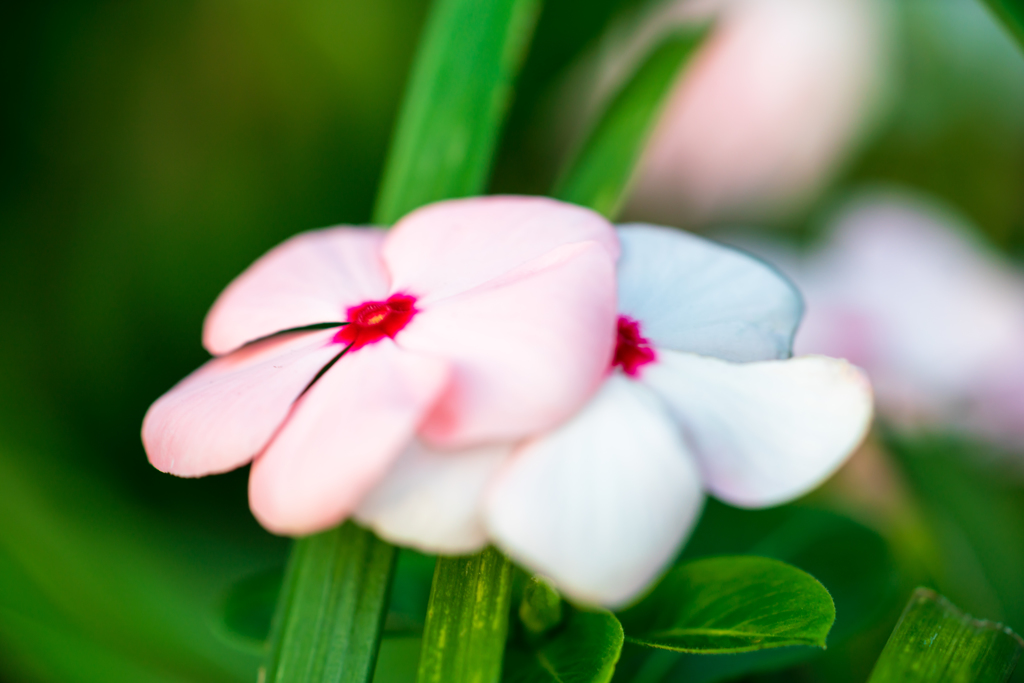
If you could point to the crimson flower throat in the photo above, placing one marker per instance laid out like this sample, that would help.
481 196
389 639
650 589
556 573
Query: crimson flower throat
371 321
632 349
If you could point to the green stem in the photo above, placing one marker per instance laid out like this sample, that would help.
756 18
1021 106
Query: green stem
331 608
467 619
1011 14
599 175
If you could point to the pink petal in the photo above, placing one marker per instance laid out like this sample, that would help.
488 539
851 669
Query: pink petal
527 350
223 414
766 432
311 278
602 504
342 436
431 499
453 246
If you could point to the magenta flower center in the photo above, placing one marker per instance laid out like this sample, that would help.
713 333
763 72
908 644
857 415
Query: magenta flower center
371 321
632 349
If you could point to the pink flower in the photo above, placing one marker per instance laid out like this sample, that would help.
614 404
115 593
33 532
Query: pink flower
767 109
904 289
470 322
700 397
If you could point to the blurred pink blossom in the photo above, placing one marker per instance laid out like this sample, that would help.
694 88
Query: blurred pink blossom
766 111
472 321
908 291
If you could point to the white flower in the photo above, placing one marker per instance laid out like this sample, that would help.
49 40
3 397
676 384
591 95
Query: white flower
700 398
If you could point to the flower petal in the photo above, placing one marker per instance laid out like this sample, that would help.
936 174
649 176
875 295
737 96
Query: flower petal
311 278
691 294
602 504
431 499
223 414
449 247
768 107
767 432
341 437
526 351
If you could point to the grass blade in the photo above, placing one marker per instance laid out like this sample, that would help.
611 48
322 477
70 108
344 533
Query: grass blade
331 609
456 101
467 619
600 174
936 642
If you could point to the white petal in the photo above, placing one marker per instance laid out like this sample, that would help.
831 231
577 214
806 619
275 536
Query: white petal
767 432
431 499
602 504
691 294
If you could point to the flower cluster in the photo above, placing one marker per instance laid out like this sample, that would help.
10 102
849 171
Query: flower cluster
511 370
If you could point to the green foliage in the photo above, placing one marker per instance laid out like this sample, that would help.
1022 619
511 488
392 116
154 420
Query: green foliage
583 648
599 175
731 604
541 607
961 488
934 642
248 609
410 593
331 608
850 560
95 588
455 104
971 522
1011 13
467 619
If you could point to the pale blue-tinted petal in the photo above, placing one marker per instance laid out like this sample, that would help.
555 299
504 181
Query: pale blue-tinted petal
602 504
766 432
691 294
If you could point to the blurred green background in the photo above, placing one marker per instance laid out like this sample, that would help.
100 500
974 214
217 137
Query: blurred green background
152 150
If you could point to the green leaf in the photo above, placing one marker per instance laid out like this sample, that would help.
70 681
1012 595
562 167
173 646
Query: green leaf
331 609
245 613
456 101
467 619
410 593
1011 13
732 604
935 642
582 649
399 656
599 175
852 561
